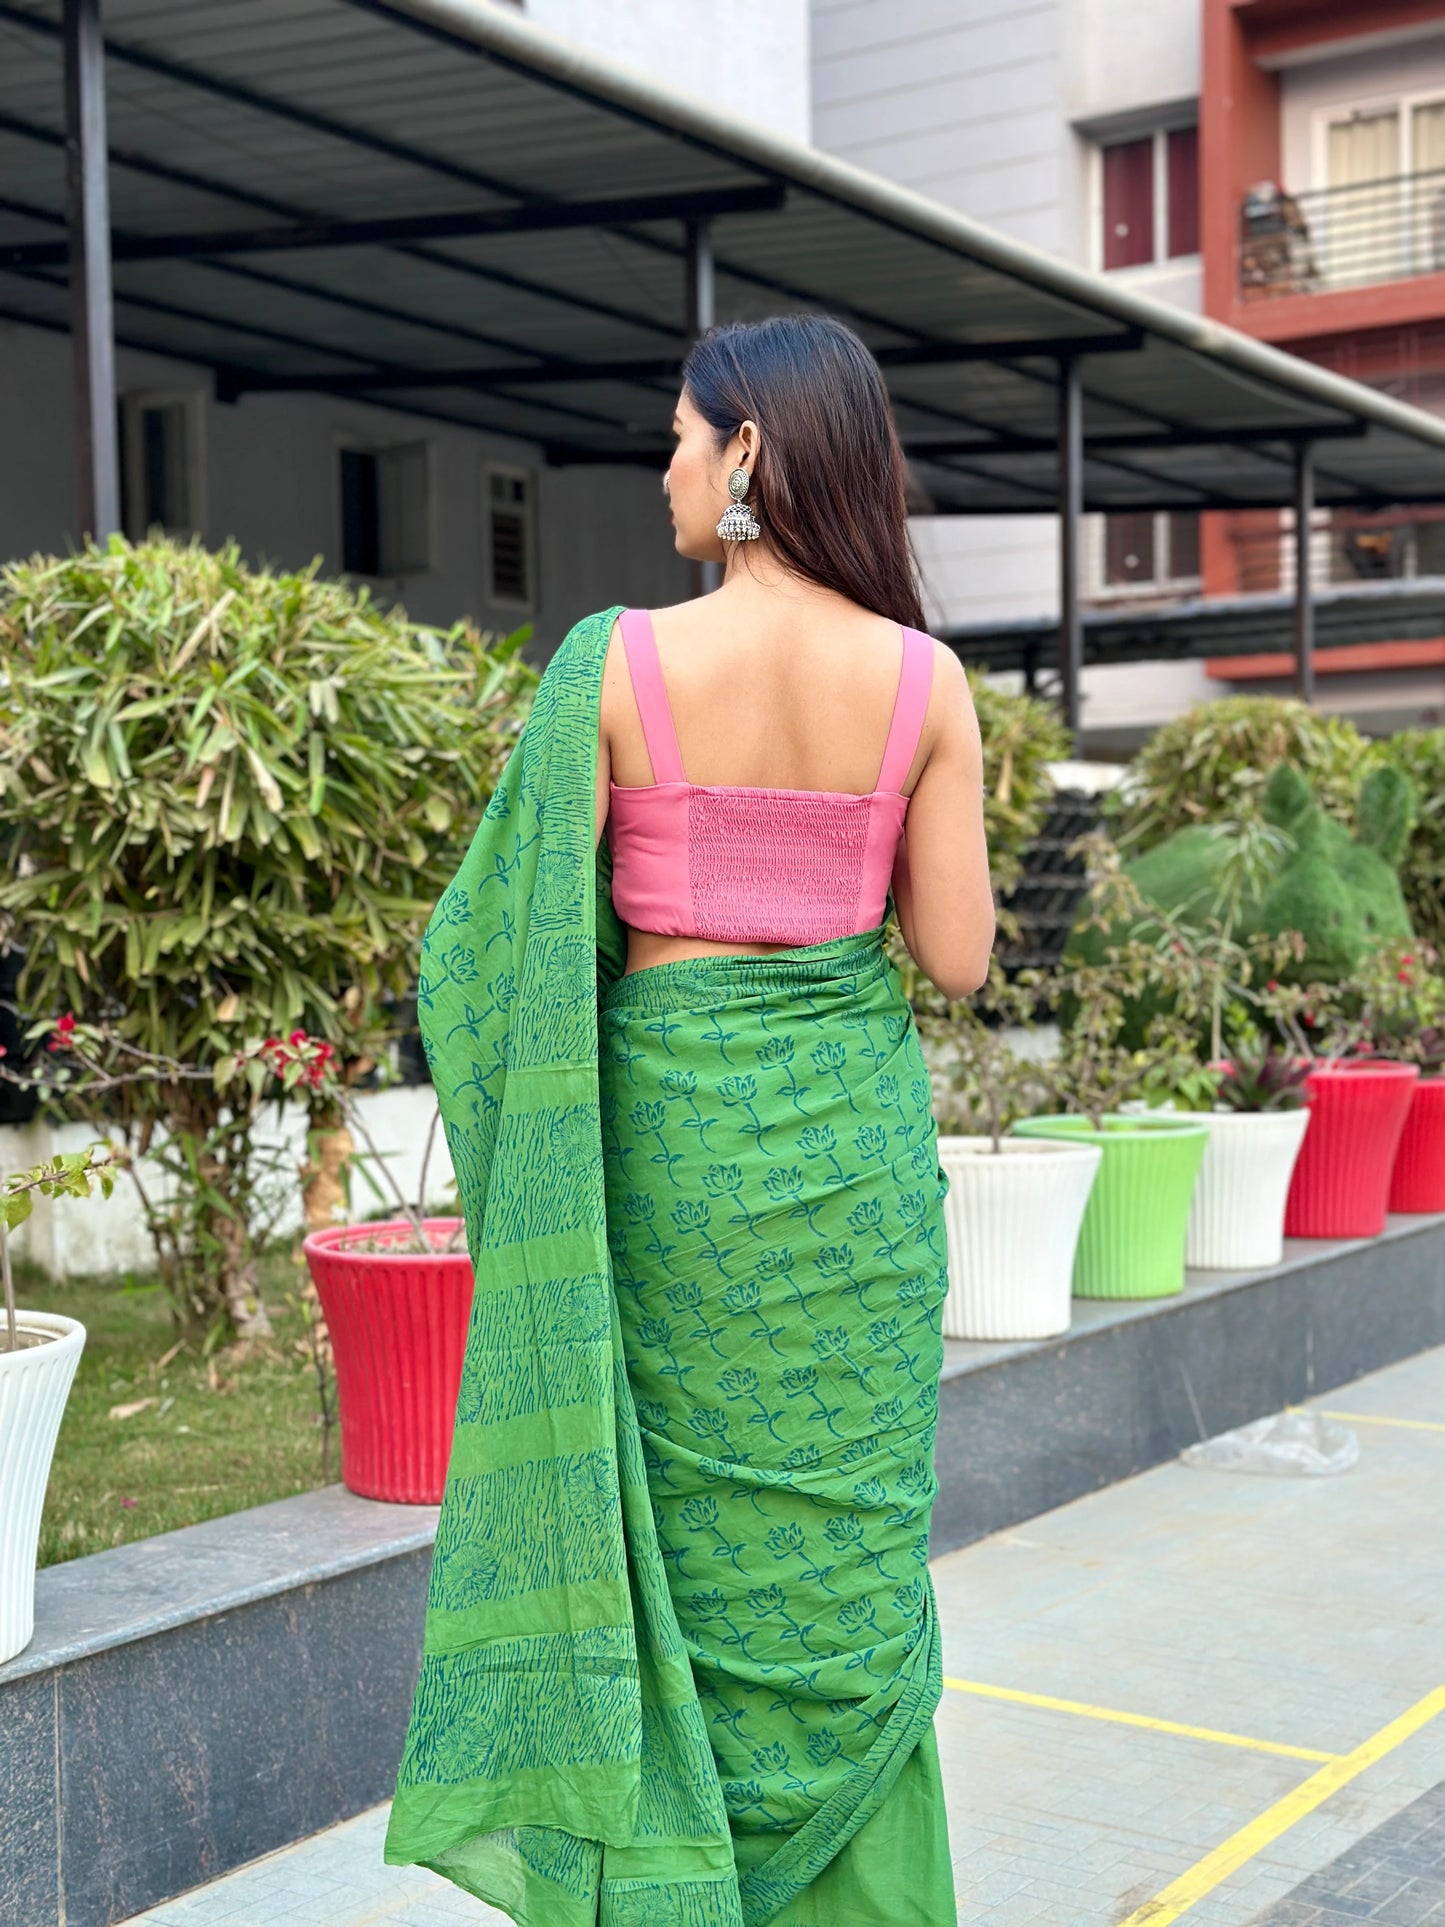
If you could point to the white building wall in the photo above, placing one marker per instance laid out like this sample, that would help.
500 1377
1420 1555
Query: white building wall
988 106
270 481
748 56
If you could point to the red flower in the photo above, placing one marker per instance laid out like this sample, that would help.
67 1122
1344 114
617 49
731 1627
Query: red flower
1404 977
130 1502
1273 984
298 1038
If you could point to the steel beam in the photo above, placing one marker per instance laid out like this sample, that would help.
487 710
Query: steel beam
1071 504
92 326
1304 606
281 237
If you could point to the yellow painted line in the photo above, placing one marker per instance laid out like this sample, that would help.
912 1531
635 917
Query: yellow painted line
1372 1418
1081 1708
1207 1874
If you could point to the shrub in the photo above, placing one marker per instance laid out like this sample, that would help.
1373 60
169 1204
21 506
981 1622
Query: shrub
1214 760
1420 755
231 798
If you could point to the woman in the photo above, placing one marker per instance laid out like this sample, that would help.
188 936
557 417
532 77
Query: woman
681 1657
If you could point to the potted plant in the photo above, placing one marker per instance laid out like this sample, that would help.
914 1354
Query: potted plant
1359 1099
1406 1005
1014 1206
1417 1182
1131 1243
39 1352
396 1297
1256 1123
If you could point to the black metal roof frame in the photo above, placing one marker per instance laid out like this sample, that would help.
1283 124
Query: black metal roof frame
587 345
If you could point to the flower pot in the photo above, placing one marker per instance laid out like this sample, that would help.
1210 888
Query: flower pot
34 1385
1131 1243
1236 1222
1341 1183
1418 1181
398 1327
1013 1222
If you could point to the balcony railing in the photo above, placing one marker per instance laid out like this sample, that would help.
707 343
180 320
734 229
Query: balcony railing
1341 237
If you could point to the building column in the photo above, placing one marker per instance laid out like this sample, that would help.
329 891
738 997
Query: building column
91 325
1071 507
1304 604
701 312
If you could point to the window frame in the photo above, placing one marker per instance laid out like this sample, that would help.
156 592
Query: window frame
132 403
1157 585
359 444
1156 129
517 471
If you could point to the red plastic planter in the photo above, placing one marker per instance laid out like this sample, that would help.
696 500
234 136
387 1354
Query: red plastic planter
1341 1183
1419 1180
398 1324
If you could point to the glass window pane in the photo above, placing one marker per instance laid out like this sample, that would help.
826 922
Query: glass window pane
1183 543
1128 168
1183 163
1128 549
359 512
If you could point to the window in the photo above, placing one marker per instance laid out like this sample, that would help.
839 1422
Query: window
1386 163
160 463
386 516
511 538
1145 550
1149 197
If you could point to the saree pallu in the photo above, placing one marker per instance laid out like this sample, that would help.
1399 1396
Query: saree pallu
680 1657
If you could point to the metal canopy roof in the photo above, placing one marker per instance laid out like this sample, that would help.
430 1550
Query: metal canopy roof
441 206
1408 610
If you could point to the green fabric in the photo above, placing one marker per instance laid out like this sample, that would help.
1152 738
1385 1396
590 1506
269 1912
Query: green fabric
681 1655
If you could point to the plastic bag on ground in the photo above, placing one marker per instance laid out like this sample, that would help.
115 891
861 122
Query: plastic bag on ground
1287 1445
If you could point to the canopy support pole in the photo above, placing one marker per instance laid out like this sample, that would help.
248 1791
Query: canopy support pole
1071 505
92 329
701 312
1304 606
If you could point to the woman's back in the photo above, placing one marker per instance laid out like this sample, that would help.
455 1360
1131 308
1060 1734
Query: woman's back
786 700
796 692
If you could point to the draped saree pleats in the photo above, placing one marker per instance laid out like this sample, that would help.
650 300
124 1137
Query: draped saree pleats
681 1656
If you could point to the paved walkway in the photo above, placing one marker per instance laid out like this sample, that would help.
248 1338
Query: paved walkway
1196 1695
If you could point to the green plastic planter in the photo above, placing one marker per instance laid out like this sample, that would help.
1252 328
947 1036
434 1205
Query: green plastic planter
1132 1241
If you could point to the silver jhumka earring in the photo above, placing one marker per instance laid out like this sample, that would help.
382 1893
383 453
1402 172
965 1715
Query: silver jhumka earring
738 523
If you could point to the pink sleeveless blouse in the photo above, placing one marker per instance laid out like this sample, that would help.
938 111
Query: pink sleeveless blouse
742 864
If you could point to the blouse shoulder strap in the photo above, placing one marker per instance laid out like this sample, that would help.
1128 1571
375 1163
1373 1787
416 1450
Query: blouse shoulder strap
651 694
910 706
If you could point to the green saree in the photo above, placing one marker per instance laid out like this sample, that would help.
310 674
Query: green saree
681 1656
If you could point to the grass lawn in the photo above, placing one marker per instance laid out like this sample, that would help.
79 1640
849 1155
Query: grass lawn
221 1433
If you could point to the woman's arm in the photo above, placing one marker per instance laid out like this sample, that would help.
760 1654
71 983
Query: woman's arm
941 884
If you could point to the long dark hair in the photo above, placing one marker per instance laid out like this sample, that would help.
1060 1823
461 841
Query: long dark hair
830 480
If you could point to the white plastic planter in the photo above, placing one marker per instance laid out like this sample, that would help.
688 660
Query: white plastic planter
34 1385
1013 1221
1237 1220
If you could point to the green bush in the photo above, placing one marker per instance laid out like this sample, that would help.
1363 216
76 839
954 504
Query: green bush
230 798
1420 755
1212 763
